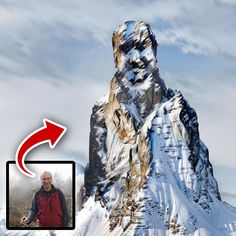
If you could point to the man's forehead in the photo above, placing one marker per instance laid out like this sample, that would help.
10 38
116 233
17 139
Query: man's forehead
46 175
136 33
132 33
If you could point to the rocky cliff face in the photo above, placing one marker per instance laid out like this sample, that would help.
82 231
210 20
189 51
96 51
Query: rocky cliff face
149 172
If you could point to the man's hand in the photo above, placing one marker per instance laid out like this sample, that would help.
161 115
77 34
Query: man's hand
24 221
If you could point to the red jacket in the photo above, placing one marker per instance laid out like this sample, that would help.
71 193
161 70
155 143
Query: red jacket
49 210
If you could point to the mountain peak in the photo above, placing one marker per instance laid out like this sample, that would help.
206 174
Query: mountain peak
148 173
134 47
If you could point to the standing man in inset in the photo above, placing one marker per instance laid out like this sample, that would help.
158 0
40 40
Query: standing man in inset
48 205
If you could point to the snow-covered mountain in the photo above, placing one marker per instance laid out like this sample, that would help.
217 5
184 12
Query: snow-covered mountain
148 173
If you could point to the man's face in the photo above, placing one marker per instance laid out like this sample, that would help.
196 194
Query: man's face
135 49
47 181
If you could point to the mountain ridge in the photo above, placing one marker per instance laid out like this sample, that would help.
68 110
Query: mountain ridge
148 173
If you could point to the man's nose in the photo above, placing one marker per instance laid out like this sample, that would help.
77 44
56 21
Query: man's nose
134 56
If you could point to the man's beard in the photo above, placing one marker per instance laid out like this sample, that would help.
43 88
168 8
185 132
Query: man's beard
139 75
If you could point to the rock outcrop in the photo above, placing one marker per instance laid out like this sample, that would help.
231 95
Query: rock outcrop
149 172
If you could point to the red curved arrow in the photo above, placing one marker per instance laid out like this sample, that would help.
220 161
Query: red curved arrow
51 132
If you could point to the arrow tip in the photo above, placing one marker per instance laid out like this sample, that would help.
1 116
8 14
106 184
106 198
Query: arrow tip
55 131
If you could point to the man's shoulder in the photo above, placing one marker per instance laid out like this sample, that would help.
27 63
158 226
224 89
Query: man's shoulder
55 189
59 191
37 192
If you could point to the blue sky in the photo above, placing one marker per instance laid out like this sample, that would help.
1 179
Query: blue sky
56 61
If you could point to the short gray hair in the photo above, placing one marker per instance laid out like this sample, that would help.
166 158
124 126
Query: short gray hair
46 172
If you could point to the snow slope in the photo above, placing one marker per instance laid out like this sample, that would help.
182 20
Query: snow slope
148 173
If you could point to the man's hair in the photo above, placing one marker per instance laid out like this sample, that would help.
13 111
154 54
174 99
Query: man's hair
46 172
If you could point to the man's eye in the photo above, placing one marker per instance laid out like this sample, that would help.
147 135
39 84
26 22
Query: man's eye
125 48
143 45
140 47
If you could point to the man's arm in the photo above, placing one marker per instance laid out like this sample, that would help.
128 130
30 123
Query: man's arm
33 209
65 214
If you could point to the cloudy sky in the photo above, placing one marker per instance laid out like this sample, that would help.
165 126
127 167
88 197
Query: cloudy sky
56 61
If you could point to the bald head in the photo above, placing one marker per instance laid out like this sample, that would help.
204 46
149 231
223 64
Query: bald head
46 178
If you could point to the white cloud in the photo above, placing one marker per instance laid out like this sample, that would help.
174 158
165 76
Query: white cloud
203 28
26 102
213 99
33 34
229 198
